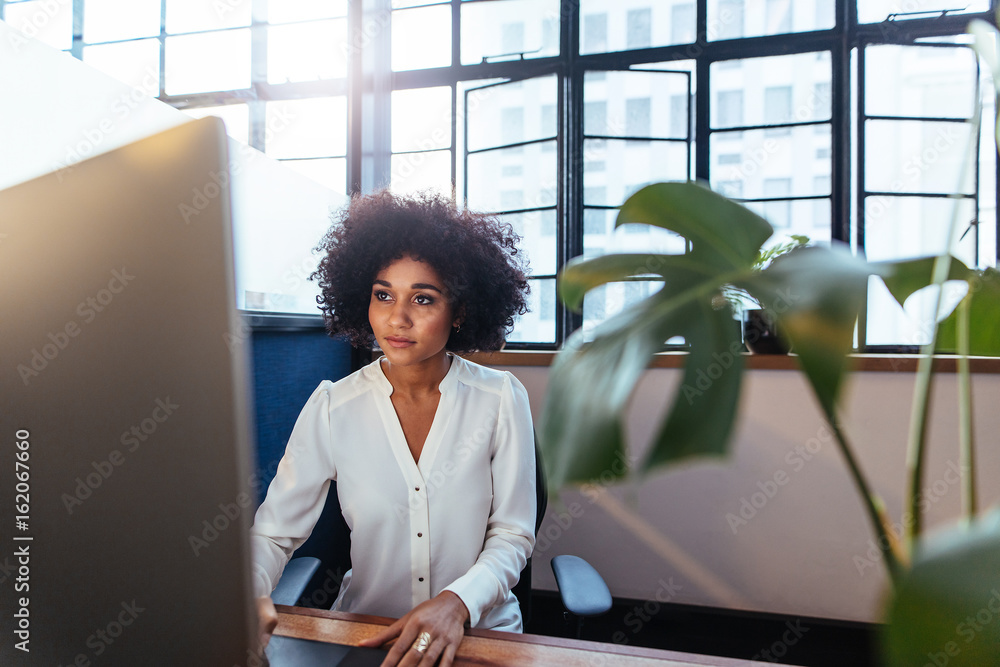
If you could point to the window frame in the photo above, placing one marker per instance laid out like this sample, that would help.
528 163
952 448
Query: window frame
370 82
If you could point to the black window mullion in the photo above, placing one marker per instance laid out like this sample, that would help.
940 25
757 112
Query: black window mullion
456 62
840 123
859 232
570 163
702 105
974 225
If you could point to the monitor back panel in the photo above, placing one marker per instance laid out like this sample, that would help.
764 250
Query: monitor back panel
126 541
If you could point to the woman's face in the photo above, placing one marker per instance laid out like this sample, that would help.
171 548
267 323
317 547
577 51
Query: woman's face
410 312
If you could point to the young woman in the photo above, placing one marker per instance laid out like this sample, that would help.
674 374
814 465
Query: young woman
433 455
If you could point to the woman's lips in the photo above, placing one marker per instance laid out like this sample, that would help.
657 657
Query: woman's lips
396 341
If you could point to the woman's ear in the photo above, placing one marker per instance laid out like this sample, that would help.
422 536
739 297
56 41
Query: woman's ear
459 318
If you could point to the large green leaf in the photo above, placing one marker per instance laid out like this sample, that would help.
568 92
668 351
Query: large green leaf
907 276
591 382
946 610
723 234
816 295
984 317
704 410
589 387
582 275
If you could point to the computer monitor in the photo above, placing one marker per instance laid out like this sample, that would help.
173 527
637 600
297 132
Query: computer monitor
125 499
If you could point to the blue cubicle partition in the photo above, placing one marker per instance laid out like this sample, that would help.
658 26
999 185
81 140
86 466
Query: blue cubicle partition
287 367
288 364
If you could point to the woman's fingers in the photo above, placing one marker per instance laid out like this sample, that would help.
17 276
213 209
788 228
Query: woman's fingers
436 649
398 654
267 619
448 656
382 636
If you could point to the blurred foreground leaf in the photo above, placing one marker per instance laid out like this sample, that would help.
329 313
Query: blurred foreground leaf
946 610
984 317
907 276
816 295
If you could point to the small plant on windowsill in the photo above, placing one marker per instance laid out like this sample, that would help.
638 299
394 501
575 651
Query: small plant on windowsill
760 331
937 583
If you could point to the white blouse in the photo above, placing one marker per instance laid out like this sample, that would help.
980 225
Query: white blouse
462 519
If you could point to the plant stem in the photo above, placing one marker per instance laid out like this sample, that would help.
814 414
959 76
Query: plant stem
965 430
919 415
877 515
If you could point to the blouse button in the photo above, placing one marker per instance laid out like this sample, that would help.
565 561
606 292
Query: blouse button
416 488
420 534
420 579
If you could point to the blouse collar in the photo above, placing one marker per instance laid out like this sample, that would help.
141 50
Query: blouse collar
377 375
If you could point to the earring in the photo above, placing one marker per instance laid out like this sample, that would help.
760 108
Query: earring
458 327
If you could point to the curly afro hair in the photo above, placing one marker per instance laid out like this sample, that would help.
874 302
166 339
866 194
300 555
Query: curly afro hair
476 256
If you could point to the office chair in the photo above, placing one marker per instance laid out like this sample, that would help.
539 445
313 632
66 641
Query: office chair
582 590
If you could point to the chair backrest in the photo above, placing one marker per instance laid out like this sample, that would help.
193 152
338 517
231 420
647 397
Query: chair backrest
522 589
330 542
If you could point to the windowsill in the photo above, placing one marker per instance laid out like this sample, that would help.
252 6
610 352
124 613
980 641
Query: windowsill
905 363
870 362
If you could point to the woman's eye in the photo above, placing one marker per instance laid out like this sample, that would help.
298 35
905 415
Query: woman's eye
423 300
382 296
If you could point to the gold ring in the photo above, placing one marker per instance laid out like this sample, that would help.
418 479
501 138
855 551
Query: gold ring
422 642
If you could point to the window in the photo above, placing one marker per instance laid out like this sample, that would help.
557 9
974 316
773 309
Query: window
852 133
511 131
679 115
777 211
682 25
778 104
512 39
637 117
915 137
421 140
778 17
778 108
725 19
639 28
776 171
595 33
729 108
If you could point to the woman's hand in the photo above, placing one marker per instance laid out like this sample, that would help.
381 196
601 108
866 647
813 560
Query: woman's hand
267 620
442 617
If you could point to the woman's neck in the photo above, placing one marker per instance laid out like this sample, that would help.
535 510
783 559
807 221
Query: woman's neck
419 379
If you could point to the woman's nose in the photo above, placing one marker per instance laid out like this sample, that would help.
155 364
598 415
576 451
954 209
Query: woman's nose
399 315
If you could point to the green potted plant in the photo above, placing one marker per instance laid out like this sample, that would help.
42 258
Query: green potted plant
939 584
816 294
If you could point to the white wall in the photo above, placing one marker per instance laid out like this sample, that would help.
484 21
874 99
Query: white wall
805 550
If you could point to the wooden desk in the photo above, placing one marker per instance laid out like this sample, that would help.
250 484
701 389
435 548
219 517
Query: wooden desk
493 649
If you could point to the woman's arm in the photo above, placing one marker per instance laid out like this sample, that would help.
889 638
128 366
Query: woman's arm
296 495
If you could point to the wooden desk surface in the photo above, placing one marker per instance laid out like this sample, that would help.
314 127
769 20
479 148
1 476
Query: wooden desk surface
493 649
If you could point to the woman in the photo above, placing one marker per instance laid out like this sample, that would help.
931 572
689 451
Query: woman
433 455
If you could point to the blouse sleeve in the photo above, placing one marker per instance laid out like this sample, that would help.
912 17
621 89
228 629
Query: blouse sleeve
510 533
295 497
